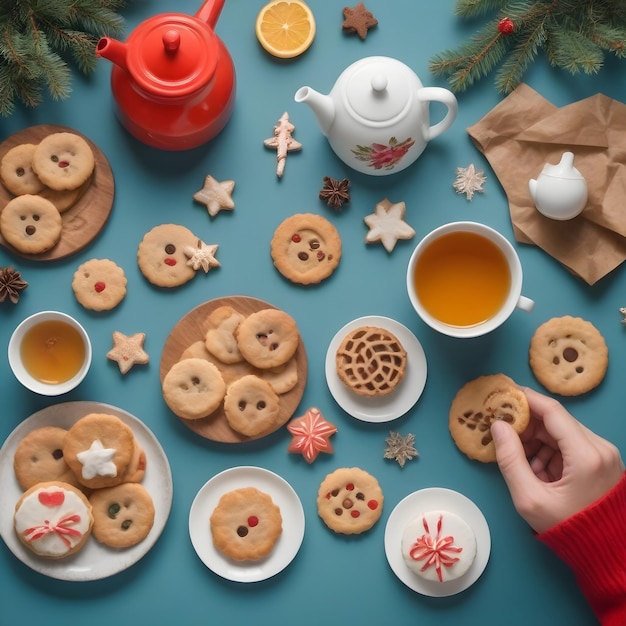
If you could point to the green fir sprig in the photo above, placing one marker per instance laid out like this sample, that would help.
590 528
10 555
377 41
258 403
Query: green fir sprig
39 39
574 34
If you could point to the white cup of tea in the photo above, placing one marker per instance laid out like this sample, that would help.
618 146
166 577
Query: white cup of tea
50 353
464 279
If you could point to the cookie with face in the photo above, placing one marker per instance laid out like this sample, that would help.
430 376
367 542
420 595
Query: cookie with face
193 388
122 515
477 405
161 255
99 284
568 355
251 406
267 338
16 171
31 224
306 248
350 501
245 524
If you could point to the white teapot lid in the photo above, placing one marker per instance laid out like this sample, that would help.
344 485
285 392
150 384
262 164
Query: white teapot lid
379 88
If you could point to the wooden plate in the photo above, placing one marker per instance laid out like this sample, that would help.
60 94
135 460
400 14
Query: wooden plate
187 337
85 219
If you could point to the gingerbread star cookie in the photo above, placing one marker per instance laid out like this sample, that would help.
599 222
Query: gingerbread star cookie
216 195
387 224
128 350
358 20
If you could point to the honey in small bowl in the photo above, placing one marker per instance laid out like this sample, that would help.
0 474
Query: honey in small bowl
52 351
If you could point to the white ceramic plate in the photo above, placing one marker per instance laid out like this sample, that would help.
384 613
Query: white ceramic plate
401 399
428 500
283 496
94 561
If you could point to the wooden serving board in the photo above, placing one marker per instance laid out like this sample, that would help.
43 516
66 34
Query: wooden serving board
83 221
187 339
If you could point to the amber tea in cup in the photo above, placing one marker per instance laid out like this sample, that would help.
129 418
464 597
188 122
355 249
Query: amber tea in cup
50 353
464 279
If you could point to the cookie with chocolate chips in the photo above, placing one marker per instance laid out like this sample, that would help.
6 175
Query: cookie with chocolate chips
568 355
477 405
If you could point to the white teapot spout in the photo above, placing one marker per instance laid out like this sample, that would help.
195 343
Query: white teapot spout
322 106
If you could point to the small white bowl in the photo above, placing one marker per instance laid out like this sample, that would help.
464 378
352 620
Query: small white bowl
21 373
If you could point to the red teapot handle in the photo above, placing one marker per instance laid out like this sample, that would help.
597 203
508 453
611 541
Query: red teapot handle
210 11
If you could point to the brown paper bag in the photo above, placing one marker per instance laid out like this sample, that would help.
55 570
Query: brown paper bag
523 133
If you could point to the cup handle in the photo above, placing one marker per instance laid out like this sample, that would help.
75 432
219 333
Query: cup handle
438 94
525 304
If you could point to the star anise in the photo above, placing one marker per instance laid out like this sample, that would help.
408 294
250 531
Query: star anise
11 284
335 192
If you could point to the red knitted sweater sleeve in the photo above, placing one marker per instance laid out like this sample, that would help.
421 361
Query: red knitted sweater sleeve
593 544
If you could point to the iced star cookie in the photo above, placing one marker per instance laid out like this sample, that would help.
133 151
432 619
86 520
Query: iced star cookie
161 255
387 225
251 406
350 501
63 161
99 284
267 338
16 171
477 405
193 388
99 448
122 515
568 355
53 519
39 458
246 524
306 248
31 224
438 546
310 435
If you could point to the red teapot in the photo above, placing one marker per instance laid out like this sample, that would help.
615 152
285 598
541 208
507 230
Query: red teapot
173 80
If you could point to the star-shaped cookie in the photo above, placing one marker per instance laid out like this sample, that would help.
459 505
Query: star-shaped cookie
128 350
311 434
387 224
358 20
216 195
202 256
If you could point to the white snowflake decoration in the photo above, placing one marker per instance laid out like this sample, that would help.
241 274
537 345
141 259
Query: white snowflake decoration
401 448
469 180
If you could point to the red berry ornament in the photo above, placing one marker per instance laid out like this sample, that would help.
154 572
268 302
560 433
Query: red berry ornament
506 26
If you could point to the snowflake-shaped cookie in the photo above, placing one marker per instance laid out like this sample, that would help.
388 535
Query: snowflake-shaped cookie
400 448
311 434
202 256
387 224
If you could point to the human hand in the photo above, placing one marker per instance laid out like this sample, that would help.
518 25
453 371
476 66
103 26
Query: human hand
557 466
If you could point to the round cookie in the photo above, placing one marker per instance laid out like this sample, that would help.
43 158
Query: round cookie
251 405
267 338
282 378
39 458
220 338
31 224
16 171
99 284
245 524
122 515
136 469
161 255
64 199
306 248
193 388
63 160
438 546
99 448
350 501
53 519
371 361
568 355
477 405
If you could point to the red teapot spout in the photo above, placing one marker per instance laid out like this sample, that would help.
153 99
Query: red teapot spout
210 11
113 50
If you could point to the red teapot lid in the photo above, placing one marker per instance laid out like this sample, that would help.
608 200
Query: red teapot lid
172 54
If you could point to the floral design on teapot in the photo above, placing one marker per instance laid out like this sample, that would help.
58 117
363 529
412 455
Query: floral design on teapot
380 156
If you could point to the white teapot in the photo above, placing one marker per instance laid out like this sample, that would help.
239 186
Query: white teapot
376 117
560 191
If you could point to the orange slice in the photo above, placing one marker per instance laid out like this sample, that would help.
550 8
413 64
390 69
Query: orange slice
285 28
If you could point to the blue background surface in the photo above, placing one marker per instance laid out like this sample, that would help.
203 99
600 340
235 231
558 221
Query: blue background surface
334 579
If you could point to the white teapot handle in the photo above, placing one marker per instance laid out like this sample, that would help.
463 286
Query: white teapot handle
438 94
